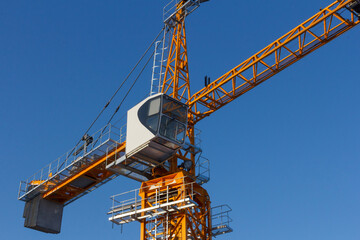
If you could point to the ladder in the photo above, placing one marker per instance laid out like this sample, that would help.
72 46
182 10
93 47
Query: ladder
157 69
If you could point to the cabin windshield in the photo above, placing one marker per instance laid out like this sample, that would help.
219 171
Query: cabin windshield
172 129
174 109
149 114
174 119
171 114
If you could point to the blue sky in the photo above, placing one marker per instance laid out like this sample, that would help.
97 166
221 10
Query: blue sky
285 156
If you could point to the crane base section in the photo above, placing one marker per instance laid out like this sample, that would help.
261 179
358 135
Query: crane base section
43 215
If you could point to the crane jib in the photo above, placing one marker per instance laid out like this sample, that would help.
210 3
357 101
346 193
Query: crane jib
315 32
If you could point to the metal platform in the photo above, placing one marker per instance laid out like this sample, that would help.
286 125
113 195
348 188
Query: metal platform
202 170
221 220
132 167
103 141
171 9
139 167
160 209
127 207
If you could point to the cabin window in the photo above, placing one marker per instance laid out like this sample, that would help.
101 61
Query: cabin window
174 109
172 129
149 114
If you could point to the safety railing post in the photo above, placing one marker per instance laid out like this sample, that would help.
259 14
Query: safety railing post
57 166
167 194
192 191
19 192
66 163
48 172
156 197
113 207
135 202
120 136
120 132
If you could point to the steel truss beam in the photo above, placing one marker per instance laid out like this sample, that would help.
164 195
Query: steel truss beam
315 32
176 79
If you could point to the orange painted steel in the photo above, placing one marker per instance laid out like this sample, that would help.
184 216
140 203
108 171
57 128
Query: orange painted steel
323 27
188 223
63 191
282 53
176 78
320 29
315 32
176 82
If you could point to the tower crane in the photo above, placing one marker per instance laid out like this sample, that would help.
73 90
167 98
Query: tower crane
158 147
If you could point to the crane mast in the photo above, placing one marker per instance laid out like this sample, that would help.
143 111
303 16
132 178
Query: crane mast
171 203
193 221
293 46
176 81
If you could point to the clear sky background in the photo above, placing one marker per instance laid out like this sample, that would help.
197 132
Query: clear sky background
284 156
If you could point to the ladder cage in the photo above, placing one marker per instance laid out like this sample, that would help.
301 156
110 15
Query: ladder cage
158 65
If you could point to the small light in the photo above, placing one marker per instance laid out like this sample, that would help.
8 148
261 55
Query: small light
186 165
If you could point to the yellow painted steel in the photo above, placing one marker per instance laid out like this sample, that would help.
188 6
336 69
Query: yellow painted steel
279 55
315 32
188 223
176 82
176 79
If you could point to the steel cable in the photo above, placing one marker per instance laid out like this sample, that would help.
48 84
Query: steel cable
115 93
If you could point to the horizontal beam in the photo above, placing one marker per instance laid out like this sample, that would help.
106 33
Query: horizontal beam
315 32
62 185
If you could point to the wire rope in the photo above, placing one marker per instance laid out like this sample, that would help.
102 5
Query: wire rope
116 92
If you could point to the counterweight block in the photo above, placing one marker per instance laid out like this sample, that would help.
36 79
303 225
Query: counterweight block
43 215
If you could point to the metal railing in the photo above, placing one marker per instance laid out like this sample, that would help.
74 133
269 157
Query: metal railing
202 170
170 10
221 220
62 167
158 65
131 202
